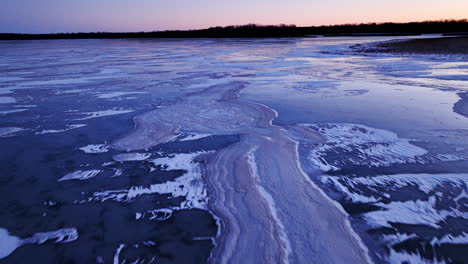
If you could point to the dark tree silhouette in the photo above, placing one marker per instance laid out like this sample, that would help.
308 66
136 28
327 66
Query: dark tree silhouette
269 31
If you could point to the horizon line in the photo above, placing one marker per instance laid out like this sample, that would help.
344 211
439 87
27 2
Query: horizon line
446 20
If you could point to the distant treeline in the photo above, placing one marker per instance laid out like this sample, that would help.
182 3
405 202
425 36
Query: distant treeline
262 31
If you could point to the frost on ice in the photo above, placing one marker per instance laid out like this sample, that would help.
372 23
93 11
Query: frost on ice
190 185
359 145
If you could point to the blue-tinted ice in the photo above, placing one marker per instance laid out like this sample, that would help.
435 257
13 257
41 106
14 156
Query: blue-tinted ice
189 151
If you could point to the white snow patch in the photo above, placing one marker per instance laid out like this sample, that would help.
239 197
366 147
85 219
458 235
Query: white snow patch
138 216
190 185
96 148
397 238
131 157
180 161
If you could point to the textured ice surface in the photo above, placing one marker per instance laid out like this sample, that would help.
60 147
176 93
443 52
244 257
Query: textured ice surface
116 94
192 136
452 239
5 112
131 157
8 242
64 235
271 203
56 82
430 200
157 214
450 157
352 144
190 185
8 131
405 257
421 210
110 112
10 79
7 100
427 201
313 81
53 131
117 253
422 182
80 175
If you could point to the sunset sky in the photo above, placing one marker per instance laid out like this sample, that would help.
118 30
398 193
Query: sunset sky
48 16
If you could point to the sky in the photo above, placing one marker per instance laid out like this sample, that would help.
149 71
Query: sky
51 16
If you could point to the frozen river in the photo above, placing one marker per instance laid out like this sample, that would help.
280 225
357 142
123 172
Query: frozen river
230 151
